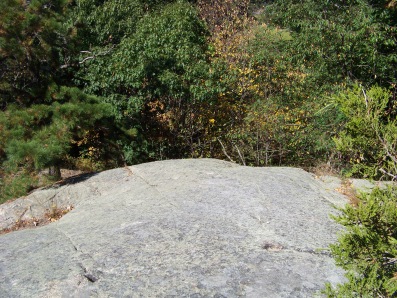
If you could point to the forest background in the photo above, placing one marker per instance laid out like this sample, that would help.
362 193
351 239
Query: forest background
96 84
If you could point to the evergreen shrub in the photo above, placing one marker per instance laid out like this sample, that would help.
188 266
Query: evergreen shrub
367 250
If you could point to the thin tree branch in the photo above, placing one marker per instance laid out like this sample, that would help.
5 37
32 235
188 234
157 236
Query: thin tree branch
93 55
388 174
239 154
224 151
390 261
366 100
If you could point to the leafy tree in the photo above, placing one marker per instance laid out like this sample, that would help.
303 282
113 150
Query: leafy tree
265 105
333 44
341 40
103 23
155 79
256 79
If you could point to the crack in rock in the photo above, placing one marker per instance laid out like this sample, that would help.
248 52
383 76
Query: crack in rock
141 177
88 274
318 251
90 277
67 237
275 247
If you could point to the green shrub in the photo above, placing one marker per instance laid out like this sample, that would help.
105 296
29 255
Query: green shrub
17 185
367 250
368 139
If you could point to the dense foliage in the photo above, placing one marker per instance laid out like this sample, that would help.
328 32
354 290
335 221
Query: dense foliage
368 142
335 44
43 115
93 84
155 80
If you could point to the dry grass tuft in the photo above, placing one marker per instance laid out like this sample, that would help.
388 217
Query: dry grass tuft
347 190
323 169
53 214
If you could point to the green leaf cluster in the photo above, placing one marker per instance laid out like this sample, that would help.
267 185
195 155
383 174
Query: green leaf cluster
348 40
154 76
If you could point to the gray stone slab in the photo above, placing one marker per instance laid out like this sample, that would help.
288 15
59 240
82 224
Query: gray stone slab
180 228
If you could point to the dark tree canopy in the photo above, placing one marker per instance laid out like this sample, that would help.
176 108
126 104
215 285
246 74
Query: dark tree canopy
100 83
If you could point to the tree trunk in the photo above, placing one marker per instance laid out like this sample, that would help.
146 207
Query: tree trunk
55 172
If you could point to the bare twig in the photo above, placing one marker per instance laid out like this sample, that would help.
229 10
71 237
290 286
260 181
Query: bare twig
366 100
390 261
388 174
386 147
224 151
239 154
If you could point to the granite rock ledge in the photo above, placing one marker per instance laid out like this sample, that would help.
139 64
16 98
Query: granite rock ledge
178 228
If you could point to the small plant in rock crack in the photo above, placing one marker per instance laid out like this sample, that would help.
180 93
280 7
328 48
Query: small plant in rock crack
347 189
55 212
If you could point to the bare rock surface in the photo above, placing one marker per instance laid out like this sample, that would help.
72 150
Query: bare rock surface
179 228
359 186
